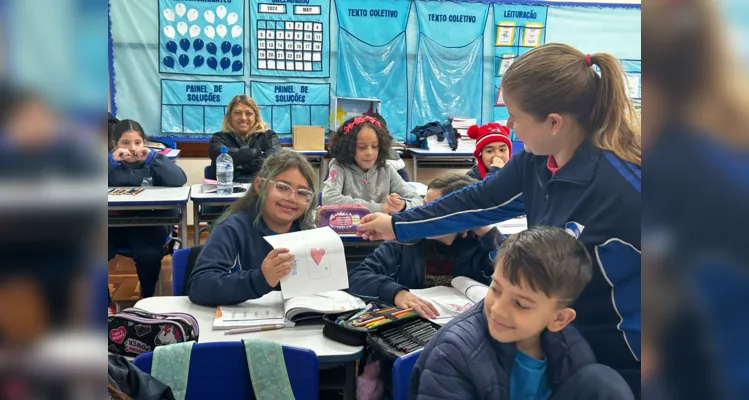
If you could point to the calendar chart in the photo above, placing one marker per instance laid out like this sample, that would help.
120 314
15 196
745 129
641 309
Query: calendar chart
290 38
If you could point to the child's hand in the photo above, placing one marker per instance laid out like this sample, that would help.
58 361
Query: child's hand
142 154
395 202
121 154
498 162
405 299
276 265
387 209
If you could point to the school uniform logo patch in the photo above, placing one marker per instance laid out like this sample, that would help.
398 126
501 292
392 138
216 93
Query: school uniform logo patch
332 176
574 228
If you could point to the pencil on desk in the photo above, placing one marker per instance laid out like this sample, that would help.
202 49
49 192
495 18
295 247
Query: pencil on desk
254 329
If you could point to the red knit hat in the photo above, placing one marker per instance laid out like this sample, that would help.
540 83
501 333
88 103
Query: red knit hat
485 134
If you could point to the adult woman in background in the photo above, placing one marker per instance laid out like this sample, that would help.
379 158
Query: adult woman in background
246 136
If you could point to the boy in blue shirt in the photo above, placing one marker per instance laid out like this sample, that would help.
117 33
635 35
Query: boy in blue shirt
517 343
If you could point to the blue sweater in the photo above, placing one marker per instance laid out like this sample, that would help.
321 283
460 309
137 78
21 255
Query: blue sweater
463 361
596 196
228 268
396 266
157 166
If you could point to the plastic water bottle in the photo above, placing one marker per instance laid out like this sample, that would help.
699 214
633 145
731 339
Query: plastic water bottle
224 173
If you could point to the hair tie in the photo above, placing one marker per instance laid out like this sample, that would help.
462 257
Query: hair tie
360 120
587 58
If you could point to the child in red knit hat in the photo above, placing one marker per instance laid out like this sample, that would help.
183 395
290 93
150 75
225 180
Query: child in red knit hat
493 148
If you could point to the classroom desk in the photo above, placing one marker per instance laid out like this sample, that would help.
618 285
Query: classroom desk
317 159
512 226
440 159
306 336
420 188
173 154
153 198
208 199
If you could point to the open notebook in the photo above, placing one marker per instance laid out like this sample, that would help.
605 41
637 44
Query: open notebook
451 301
272 309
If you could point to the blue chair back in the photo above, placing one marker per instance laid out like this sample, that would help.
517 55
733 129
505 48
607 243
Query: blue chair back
206 171
517 146
218 370
402 374
179 269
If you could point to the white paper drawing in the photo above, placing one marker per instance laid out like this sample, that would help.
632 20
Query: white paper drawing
320 263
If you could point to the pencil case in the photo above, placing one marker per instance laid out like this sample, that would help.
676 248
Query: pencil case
342 218
134 331
398 340
343 329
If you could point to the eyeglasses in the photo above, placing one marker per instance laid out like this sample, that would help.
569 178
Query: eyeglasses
300 195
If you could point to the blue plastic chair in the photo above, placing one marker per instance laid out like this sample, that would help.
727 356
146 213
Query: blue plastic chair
179 269
206 170
218 370
402 374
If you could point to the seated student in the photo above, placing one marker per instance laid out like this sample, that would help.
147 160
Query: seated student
493 148
394 158
130 162
388 273
517 343
359 172
236 264
246 136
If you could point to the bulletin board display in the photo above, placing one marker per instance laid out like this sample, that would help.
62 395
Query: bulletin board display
201 38
290 39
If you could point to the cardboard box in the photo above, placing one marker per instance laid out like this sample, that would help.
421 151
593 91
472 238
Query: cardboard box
306 137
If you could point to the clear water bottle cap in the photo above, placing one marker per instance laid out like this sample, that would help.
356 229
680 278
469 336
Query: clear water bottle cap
224 150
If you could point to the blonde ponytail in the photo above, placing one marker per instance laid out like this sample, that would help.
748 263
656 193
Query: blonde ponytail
557 78
613 115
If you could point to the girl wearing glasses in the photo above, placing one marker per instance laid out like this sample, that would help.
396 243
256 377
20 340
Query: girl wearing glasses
247 137
236 263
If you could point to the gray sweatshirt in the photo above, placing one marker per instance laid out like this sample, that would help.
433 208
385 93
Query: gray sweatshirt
348 184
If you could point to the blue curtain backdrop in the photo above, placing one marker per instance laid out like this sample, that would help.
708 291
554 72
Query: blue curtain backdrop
135 62
449 61
373 61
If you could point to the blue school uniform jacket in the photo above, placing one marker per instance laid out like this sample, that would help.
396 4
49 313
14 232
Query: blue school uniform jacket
396 266
157 166
595 196
228 268
463 361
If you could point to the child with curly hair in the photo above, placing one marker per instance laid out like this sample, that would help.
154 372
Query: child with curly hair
359 172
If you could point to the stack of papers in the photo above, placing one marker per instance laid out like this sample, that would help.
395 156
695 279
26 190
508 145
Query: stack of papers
461 124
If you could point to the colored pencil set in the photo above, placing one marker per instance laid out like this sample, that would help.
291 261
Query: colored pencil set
125 191
409 337
372 317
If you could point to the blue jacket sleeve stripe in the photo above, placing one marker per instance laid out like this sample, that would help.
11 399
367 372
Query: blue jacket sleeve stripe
632 175
460 220
112 161
620 264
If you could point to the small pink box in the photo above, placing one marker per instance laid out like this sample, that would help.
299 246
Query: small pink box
342 218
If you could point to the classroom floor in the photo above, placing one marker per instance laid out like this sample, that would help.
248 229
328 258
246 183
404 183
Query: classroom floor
123 281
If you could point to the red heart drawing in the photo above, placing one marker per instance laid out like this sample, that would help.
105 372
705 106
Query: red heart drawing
317 255
117 335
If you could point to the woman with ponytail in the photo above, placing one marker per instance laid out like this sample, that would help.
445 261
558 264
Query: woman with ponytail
579 170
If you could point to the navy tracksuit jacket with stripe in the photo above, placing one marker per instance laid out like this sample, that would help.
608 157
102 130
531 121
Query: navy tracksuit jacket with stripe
595 196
